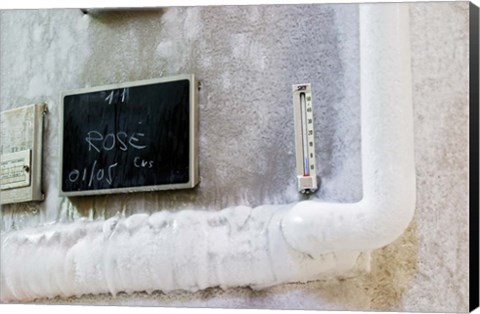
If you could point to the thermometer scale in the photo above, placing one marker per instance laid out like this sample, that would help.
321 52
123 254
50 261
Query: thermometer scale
304 138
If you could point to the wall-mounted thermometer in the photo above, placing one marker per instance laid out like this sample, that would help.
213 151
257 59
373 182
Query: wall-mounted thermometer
304 138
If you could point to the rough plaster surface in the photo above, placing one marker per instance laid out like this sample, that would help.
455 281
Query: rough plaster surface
247 58
440 82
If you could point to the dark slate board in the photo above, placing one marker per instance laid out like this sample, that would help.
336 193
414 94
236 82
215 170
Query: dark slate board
130 138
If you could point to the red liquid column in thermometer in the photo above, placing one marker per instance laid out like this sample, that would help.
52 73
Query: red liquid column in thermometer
304 138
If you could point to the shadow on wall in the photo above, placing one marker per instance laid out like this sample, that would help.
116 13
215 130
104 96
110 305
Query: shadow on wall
117 17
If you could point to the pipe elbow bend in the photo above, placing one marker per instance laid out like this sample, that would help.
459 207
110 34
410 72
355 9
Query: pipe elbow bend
317 227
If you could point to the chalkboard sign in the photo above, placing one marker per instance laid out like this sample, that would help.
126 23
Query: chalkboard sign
137 136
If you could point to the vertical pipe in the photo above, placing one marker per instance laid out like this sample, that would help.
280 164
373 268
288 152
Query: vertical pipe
388 165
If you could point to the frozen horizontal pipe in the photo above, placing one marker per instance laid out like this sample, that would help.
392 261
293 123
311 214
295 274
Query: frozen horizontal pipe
243 246
189 250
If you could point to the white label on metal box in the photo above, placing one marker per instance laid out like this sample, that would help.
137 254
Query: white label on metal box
15 170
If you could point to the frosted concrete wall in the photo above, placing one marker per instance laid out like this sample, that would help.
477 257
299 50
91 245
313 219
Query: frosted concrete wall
247 59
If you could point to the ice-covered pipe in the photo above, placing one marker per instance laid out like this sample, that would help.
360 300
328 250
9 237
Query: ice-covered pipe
241 246
388 163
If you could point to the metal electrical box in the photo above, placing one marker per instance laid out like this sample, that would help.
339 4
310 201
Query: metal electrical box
21 154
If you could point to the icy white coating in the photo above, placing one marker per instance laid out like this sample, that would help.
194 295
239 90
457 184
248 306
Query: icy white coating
189 250
241 246
388 161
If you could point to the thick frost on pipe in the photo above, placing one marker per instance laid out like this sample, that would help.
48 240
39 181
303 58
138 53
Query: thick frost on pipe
388 165
241 246
189 250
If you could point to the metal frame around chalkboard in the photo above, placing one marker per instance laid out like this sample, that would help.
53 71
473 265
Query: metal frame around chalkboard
193 140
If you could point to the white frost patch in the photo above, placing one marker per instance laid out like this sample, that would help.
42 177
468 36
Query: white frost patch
166 49
245 47
193 24
189 250
37 34
173 55
37 87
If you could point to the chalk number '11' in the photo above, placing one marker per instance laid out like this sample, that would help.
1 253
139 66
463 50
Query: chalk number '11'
122 96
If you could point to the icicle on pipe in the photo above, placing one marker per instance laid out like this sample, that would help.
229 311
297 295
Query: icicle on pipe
242 246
